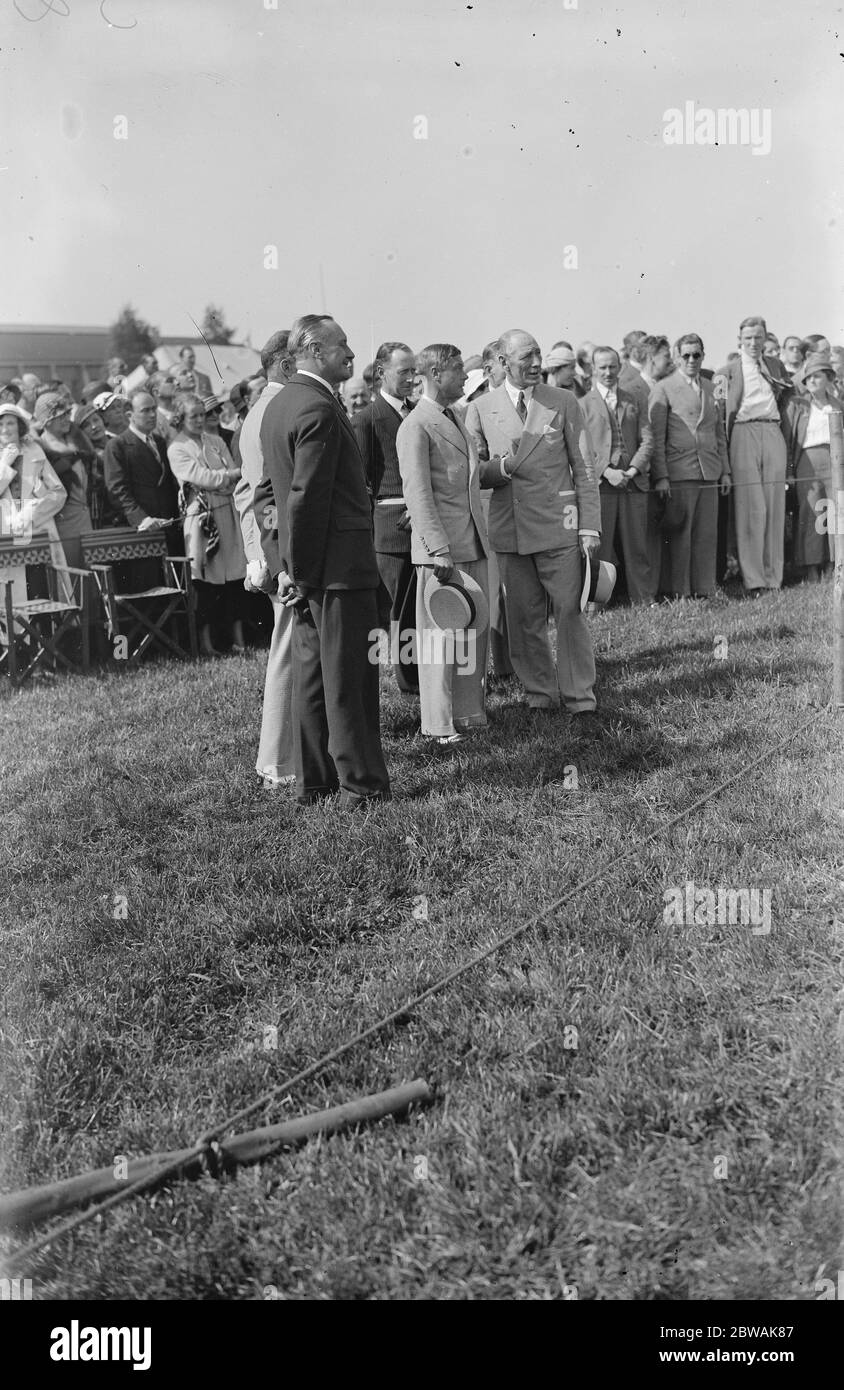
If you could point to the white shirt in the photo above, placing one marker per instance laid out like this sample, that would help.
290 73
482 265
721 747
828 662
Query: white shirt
398 406
147 438
758 402
251 472
515 391
817 430
609 393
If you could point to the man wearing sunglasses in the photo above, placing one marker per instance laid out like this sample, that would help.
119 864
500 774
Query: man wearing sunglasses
689 467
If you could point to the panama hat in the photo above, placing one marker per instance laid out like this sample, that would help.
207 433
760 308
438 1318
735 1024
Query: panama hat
598 582
457 605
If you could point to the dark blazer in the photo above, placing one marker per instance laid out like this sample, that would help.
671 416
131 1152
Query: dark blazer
324 519
138 479
375 430
635 431
689 441
778 379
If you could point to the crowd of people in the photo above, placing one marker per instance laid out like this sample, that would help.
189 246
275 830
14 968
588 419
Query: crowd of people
434 497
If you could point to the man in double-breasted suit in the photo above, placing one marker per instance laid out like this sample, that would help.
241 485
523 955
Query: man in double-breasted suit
324 559
689 466
622 444
545 512
375 428
439 472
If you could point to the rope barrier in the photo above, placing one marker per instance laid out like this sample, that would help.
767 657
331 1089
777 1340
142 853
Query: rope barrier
205 1145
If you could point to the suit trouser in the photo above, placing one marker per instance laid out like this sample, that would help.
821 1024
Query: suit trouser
814 543
499 640
625 510
399 574
690 538
276 758
452 667
337 697
530 580
757 462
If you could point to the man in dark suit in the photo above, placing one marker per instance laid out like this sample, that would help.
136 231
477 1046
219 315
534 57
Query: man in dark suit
758 392
689 467
141 485
324 559
622 443
137 473
375 429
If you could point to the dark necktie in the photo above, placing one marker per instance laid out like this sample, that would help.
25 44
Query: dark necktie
405 408
521 408
449 415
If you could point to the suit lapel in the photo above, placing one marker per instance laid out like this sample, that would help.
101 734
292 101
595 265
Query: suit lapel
538 416
442 426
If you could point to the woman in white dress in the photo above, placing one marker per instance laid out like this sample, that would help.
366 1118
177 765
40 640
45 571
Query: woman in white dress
203 467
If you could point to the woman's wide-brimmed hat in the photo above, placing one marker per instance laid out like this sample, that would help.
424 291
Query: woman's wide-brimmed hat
7 408
49 407
457 605
818 362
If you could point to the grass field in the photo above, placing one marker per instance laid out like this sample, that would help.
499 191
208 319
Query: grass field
625 1109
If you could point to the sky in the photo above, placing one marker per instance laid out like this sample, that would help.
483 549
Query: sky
420 168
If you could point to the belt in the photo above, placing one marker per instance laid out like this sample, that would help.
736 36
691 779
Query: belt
758 421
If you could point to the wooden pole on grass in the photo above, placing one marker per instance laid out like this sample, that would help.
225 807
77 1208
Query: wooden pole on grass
836 453
34 1204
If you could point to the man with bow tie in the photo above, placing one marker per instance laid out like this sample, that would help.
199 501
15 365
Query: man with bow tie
758 392
544 515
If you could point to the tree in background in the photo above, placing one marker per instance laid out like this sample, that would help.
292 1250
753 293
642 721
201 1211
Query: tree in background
131 337
214 326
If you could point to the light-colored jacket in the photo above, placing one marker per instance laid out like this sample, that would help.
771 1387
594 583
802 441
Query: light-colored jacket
207 466
41 494
553 492
441 485
689 439
42 497
252 471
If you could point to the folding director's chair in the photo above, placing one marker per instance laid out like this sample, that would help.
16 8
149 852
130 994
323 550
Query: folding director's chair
32 629
140 615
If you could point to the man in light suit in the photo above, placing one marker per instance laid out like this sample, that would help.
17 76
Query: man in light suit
275 763
545 513
375 428
324 559
439 471
758 392
622 444
689 466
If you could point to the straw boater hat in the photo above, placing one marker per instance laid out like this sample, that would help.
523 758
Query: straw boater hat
598 582
458 605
